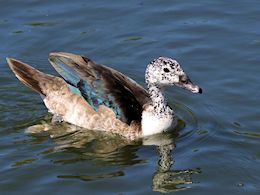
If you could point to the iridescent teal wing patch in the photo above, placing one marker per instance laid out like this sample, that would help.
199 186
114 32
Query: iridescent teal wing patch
100 85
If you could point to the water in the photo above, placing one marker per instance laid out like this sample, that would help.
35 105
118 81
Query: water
216 146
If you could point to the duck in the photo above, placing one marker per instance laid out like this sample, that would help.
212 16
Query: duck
96 97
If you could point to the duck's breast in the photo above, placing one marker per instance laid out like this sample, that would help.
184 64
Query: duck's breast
153 123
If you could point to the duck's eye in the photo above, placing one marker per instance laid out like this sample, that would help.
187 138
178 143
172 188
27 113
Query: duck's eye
166 70
184 79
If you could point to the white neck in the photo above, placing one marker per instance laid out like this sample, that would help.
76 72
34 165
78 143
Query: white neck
157 117
159 102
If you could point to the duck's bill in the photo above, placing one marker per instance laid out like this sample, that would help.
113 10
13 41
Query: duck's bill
190 87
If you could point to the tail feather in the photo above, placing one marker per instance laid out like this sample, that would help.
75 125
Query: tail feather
28 75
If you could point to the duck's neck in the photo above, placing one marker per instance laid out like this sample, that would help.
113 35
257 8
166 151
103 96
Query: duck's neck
159 102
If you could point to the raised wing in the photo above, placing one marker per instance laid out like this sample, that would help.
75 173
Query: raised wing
101 85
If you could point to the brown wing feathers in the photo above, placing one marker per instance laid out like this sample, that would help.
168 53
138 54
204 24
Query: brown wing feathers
34 79
113 86
26 74
126 96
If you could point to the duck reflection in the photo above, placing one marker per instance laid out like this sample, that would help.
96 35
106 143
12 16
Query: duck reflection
111 149
165 179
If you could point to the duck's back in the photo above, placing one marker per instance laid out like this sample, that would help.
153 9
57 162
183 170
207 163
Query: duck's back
91 96
101 85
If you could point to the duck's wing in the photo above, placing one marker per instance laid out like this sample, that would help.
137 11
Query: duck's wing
101 85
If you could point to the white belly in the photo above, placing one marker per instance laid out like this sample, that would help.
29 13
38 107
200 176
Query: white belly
152 124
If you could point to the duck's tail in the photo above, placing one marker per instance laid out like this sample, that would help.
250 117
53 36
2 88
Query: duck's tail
29 76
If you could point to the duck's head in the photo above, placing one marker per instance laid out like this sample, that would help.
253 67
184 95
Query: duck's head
165 71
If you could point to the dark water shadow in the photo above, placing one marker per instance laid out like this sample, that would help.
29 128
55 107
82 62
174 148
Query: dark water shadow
85 155
108 153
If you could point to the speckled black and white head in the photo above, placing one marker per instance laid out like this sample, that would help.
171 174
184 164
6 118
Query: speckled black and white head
165 71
